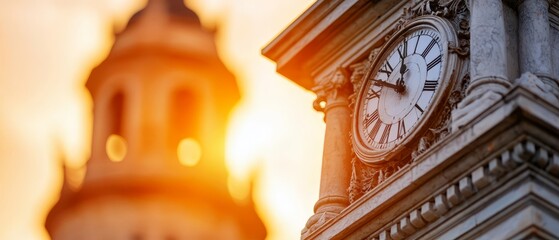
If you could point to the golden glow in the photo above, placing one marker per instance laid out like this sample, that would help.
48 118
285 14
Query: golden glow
116 148
277 131
239 189
189 152
245 141
75 177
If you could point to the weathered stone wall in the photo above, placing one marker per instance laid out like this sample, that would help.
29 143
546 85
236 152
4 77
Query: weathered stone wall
555 51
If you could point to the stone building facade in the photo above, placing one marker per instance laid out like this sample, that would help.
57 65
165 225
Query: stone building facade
157 169
442 116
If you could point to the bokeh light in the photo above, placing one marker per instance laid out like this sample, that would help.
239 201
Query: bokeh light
189 152
116 148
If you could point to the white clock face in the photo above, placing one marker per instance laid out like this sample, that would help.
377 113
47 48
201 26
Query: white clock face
400 90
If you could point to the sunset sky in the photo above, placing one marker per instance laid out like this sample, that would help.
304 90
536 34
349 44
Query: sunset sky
47 49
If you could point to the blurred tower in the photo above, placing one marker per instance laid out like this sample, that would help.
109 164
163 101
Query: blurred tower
161 103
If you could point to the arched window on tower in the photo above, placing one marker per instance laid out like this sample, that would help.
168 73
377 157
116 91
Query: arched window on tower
116 144
184 127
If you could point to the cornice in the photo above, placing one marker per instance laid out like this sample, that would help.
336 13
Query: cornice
329 32
299 28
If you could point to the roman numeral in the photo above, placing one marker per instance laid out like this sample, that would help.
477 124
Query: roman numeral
386 69
419 108
430 85
401 128
375 129
383 70
385 134
370 118
389 66
429 47
372 94
405 48
433 63
416 43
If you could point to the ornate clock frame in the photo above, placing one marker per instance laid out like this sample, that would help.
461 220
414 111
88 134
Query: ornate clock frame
451 21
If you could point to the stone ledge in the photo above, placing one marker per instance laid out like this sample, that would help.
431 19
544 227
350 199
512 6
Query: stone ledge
523 186
496 206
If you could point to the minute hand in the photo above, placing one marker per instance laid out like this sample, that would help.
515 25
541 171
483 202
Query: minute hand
377 82
402 65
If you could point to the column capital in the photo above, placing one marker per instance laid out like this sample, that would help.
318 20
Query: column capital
330 88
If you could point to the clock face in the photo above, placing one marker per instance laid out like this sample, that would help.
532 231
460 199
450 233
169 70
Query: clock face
401 88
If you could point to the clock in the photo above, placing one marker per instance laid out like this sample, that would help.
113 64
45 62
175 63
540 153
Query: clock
404 89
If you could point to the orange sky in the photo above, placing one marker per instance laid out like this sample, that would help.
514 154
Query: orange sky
48 47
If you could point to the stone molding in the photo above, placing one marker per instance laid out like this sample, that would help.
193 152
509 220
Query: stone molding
524 152
546 88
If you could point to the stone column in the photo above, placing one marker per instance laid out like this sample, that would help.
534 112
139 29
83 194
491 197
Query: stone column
488 63
336 160
535 54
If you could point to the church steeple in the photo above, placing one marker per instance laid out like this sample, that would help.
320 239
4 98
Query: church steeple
161 103
154 93
171 8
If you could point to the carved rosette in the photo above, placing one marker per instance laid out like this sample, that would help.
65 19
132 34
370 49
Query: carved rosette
365 177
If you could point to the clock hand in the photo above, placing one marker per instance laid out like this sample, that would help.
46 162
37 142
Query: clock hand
398 87
401 85
403 67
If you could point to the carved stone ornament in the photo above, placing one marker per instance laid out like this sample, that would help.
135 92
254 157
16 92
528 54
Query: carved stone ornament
358 71
330 87
366 176
456 11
